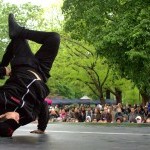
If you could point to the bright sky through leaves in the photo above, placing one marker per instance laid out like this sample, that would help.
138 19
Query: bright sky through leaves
43 3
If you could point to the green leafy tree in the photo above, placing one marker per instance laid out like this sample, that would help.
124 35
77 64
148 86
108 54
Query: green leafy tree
124 90
60 82
119 30
88 67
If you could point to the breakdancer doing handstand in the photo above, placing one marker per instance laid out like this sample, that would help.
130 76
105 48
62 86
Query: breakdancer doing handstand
22 96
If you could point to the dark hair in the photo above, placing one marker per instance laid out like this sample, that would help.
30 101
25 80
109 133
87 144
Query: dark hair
119 118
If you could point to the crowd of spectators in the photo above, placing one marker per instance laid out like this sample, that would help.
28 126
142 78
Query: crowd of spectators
102 114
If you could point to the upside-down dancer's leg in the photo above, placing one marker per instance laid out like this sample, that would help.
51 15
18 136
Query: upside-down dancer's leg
8 55
17 53
50 43
48 51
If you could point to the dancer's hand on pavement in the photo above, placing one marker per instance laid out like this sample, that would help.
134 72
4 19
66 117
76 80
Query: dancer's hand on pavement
10 115
37 132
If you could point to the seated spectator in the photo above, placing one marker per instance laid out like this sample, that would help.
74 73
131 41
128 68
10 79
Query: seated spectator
77 115
124 108
148 118
89 112
132 115
106 117
67 113
139 110
71 115
119 119
83 113
88 119
62 115
96 115
138 119
119 113
121 107
99 106
125 118
103 114
113 112
148 107
128 109
53 115
145 112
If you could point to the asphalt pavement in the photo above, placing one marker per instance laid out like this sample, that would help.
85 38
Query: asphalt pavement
66 136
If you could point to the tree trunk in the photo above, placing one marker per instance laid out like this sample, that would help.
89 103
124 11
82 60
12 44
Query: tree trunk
107 94
118 96
102 100
145 99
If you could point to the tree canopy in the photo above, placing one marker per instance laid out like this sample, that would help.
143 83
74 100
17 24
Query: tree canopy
93 56
119 30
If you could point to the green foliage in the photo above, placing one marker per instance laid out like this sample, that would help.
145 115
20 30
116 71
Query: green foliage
78 71
119 30
25 14
112 27
131 96
127 42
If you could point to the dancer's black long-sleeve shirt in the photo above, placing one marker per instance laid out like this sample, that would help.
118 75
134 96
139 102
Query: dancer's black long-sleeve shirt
23 93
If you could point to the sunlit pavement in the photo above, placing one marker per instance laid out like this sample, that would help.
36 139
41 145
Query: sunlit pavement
64 136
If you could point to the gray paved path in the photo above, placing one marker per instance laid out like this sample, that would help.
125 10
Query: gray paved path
63 136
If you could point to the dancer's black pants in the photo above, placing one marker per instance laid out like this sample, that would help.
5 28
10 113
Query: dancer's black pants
18 52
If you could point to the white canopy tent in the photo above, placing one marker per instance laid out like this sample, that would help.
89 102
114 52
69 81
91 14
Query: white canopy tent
85 97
